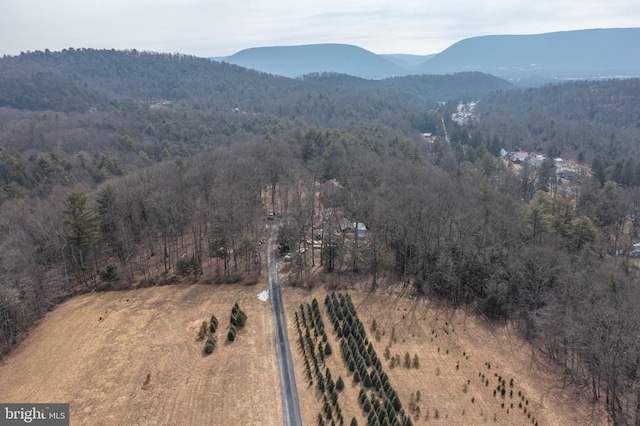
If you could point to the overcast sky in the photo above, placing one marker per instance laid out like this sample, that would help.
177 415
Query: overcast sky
222 27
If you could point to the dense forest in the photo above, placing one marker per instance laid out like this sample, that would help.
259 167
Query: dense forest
128 169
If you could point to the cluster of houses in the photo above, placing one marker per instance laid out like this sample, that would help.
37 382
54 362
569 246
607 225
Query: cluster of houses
464 115
564 168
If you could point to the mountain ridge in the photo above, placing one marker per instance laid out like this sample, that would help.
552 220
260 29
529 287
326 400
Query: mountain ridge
295 61
520 58
582 54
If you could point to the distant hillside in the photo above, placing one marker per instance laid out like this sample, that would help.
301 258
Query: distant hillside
295 61
458 86
407 61
585 54
522 59
78 79
83 80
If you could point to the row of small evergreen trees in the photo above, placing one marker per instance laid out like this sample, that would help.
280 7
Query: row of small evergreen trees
378 399
238 319
315 347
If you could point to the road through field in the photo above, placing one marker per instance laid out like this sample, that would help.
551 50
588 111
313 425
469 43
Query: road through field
290 403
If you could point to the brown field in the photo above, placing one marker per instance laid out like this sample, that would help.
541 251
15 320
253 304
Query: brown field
100 366
443 338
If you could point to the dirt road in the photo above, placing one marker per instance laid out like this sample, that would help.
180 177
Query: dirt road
290 403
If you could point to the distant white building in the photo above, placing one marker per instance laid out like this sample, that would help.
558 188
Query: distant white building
561 165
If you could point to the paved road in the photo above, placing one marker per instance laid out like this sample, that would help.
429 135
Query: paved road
290 403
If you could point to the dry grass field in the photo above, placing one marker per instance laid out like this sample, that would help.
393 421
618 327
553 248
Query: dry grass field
95 352
457 354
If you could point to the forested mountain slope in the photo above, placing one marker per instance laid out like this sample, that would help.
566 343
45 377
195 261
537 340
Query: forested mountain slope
127 169
126 76
75 80
296 61
582 54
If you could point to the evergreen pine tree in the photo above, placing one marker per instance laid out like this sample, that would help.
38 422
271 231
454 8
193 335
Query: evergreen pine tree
327 349
362 396
367 380
320 384
396 403
83 222
231 335
366 406
351 364
210 345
